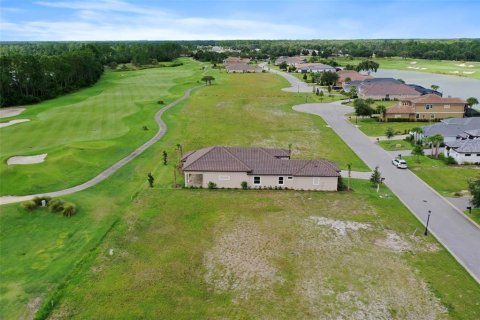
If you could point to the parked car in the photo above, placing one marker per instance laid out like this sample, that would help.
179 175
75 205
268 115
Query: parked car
399 163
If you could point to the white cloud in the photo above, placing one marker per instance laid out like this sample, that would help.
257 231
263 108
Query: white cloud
120 20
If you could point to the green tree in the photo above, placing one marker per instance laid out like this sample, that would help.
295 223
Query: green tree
352 93
305 77
368 65
328 78
417 151
474 188
283 65
435 87
436 140
417 131
381 109
389 132
376 178
362 108
208 80
165 157
472 101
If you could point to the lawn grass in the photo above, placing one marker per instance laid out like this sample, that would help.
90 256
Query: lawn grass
160 236
475 214
445 179
457 68
393 145
85 132
374 128
258 254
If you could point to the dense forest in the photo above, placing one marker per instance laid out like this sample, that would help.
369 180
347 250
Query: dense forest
34 71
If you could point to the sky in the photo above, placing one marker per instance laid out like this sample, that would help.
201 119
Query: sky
83 20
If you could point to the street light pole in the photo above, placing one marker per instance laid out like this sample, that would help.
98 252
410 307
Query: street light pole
428 219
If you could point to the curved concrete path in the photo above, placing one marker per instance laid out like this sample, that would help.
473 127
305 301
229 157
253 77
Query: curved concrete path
112 169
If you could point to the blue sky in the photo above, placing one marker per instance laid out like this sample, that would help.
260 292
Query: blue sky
236 19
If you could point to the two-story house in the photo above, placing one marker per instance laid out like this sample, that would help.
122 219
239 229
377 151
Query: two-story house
429 107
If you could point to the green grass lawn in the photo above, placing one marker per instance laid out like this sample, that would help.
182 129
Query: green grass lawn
392 145
254 255
374 128
85 132
162 238
475 215
457 68
444 179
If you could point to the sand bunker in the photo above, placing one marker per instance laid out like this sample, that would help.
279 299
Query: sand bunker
339 226
10 112
413 62
27 159
468 72
461 65
12 122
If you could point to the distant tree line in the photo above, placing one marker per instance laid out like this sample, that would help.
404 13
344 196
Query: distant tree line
32 72
451 49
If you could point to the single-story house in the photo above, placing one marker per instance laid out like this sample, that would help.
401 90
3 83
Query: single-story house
386 91
350 75
228 167
291 61
314 67
241 67
463 151
427 107
453 129
229 60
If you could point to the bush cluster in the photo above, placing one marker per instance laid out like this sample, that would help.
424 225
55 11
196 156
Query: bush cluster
67 209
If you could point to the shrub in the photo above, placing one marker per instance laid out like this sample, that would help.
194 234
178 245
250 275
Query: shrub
38 200
160 102
29 205
212 185
340 186
449 161
55 205
244 185
69 209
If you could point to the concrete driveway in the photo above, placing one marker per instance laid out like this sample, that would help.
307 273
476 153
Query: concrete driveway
456 232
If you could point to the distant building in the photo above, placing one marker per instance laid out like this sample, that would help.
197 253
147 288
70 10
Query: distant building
314 67
350 75
386 91
239 65
228 167
429 107
290 61
454 129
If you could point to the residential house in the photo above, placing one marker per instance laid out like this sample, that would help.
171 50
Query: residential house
350 75
463 151
241 67
228 167
386 91
314 67
290 61
429 107
454 129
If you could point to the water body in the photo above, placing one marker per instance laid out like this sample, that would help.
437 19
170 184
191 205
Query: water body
449 85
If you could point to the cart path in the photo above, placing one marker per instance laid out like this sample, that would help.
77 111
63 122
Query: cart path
113 168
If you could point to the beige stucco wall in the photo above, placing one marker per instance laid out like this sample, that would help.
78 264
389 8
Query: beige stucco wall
235 179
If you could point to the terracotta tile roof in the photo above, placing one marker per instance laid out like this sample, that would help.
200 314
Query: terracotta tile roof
239 66
400 109
261 161
433 98
352 74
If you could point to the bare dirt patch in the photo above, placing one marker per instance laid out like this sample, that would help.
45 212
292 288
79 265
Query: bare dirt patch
27 159
339 226
12 122
10 112
393 242
240 261
32 308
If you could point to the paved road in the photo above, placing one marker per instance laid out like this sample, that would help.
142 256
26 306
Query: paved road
457 233
450 226
111 170
297 84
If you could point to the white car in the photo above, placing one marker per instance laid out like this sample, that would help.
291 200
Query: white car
399 163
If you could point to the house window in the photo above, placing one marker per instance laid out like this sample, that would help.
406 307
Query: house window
428 106
223 178
256 180
280 181
417 116
468 154
316 181
478 154
290 178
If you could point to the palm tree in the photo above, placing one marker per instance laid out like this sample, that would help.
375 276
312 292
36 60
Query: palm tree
416 132
436 140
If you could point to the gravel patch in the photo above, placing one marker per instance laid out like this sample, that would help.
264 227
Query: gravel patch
27 159
393 242
10 112
12 122
240 261
340 226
